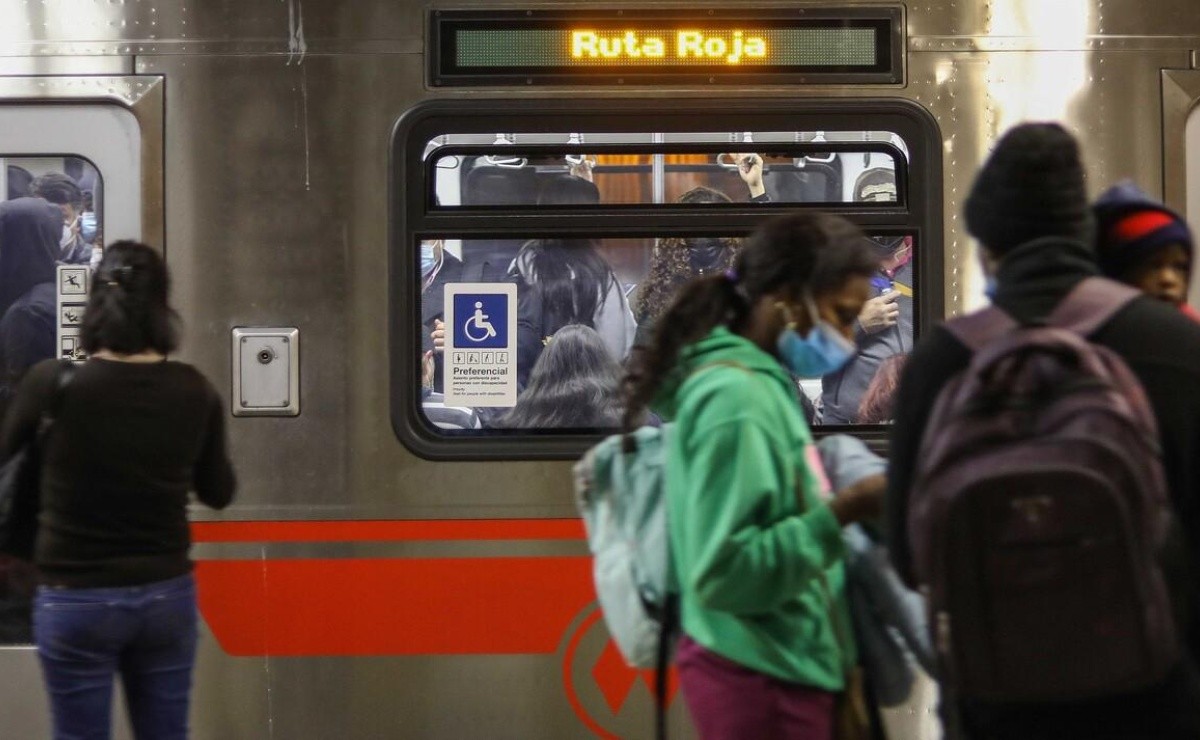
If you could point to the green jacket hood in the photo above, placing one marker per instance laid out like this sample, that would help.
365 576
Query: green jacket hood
720 346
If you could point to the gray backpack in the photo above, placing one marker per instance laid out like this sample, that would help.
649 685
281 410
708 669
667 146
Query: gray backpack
1038 512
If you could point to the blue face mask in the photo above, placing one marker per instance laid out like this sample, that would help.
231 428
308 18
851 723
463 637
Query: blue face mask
428 260
823 351
87 226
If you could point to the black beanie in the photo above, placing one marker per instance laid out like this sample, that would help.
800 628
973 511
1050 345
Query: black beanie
1030 187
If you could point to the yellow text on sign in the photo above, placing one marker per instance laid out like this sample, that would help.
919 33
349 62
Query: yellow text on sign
698 45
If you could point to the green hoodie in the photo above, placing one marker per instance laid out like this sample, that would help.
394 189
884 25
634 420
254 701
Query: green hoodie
748 555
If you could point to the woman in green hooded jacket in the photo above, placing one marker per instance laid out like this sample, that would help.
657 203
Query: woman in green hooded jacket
755 543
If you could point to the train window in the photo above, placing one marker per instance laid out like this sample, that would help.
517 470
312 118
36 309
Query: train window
50 215
526 266
581 304
547 170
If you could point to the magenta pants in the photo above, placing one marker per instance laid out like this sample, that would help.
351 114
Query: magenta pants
730 702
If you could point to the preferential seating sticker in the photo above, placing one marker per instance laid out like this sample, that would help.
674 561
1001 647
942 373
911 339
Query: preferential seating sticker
481 345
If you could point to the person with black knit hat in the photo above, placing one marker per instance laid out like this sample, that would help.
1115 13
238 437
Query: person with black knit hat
1141 242
1029 211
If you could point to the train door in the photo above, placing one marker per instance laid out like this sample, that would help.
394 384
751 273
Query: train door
1181 150
80 166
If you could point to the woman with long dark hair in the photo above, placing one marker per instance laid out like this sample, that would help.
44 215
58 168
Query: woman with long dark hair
133 434
756 547
575 384
566 281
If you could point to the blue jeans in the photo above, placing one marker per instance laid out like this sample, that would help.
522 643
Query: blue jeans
146 633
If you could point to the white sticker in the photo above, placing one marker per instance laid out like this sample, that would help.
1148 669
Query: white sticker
481 345
71 297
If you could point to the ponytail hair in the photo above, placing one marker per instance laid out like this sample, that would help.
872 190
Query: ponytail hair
701 306
127 311
805 252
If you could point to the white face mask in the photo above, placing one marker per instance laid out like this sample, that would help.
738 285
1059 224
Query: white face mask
68 234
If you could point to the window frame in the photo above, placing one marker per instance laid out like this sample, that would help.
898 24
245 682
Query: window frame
797 149
413 217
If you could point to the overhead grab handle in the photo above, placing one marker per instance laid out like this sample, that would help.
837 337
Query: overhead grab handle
806 159
514 163
727 160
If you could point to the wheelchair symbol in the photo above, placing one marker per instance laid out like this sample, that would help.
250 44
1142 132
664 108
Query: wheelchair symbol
478 324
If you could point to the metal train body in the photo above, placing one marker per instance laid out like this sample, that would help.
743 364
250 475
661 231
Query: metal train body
374 580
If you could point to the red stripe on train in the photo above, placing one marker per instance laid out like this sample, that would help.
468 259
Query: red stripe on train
392 606
445 606
389 531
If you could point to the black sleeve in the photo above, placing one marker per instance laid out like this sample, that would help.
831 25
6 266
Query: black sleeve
529 331
213 478
764 198
25 410
934 361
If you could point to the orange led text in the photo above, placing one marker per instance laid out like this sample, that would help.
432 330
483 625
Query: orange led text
688 45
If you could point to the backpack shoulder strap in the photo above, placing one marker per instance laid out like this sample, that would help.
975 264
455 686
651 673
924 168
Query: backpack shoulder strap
1090 305
979 329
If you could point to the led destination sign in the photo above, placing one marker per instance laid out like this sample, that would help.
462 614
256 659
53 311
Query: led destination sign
850 45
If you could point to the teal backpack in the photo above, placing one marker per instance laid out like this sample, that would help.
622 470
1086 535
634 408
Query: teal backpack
621 493
620 490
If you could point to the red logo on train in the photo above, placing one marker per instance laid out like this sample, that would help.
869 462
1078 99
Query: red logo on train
608 696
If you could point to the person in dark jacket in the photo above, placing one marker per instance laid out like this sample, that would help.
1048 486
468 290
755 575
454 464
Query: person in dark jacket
29 238
133 434
1141 242
1029 211
30 229
438 269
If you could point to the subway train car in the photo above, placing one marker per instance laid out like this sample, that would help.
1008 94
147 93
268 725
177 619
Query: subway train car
379 214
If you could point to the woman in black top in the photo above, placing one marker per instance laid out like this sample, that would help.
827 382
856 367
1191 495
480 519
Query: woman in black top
133 434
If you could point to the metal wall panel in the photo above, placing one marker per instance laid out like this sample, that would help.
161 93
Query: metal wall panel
278 116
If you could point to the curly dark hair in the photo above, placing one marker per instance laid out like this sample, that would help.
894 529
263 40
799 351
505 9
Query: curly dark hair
807 252
670 267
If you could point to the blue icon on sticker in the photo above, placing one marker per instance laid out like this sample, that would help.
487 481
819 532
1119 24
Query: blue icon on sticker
481 320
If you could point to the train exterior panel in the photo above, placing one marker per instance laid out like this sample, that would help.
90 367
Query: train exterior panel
357 589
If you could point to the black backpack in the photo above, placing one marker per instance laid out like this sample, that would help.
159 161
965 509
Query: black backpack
1039 510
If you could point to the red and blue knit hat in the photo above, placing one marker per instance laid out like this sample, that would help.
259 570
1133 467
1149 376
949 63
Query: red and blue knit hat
1132 226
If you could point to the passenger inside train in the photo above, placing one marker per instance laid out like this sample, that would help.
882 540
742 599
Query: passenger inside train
46 219
574 385
620 286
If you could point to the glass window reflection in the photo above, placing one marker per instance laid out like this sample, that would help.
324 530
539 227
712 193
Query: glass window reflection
584 304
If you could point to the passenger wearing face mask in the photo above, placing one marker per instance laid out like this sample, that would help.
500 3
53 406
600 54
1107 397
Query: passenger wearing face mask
63 192
755 538
675 261
884 329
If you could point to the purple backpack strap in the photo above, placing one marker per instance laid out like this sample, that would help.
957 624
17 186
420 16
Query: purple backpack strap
1090 305
977 330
